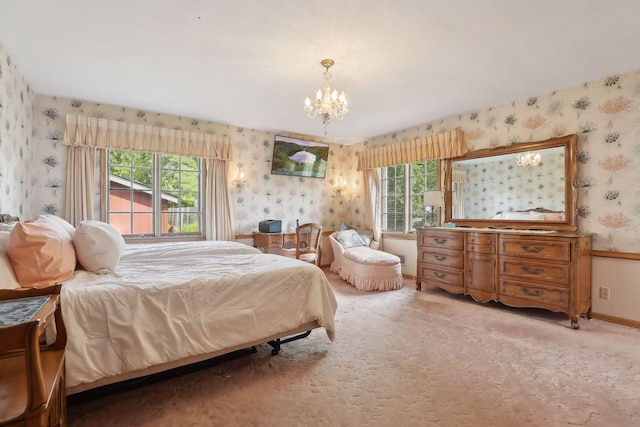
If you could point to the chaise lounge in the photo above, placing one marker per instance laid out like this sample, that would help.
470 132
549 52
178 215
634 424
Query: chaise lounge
362 265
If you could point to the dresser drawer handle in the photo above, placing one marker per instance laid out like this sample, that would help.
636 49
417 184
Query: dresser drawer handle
536 249
528 270
440 257
439 275
275 241
440 241
536 293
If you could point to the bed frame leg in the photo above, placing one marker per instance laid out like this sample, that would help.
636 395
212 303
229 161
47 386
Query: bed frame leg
279 341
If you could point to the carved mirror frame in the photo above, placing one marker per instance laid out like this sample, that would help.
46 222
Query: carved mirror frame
569 142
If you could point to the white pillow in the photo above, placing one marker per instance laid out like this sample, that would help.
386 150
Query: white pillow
7 276
60 221
554 216
367 236
349 238
7 226
528 215
98 246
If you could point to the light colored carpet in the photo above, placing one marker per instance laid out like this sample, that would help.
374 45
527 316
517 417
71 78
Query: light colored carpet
405 358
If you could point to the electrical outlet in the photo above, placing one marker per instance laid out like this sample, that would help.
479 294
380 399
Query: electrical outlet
605 292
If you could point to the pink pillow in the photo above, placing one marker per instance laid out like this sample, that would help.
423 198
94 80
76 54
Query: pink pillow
7 276
41 253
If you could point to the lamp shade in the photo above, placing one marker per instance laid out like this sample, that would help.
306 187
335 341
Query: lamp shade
434 198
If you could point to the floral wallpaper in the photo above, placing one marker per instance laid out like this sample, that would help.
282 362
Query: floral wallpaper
604 113
263 196
16 142
606 116
502 185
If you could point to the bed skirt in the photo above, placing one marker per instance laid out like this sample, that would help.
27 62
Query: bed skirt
186 361
367 277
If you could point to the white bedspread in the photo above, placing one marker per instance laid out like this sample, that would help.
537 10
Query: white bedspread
169 301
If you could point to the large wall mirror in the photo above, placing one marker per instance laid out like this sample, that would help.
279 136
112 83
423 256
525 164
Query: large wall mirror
527 185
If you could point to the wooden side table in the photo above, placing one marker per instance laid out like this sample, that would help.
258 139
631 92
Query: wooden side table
32 386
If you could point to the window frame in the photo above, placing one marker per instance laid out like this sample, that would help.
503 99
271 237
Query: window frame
156 190
407 189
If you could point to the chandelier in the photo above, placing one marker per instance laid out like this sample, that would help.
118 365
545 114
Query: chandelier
528 159
327 104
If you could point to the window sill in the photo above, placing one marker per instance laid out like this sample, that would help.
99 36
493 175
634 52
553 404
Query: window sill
398 235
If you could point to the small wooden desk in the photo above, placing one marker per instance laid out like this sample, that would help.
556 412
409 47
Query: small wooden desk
19 368
266 241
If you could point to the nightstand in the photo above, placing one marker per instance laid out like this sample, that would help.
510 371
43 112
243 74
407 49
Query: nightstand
32 387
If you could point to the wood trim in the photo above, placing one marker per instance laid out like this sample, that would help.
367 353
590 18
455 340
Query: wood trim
570 144
621 255
615 319
243 236
408 276
250 236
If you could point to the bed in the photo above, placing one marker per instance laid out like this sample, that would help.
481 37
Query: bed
170 304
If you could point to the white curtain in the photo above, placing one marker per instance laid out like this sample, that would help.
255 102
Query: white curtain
371 179
79 184
438 146
458 179
217 213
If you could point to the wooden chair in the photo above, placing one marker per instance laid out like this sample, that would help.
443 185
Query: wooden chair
31 373
307 246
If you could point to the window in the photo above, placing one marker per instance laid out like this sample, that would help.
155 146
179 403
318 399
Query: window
408 182
153 194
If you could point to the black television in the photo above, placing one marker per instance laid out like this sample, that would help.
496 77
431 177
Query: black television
299 157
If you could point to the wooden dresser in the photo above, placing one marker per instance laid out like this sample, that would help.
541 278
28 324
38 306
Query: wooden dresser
519 269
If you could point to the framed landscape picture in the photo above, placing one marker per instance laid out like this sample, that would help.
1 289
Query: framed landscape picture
299 157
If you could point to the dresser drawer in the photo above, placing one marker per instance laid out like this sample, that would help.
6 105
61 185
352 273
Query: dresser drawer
441 239
544 249
483 249
558 273
539 295
443 258
481 239
441 277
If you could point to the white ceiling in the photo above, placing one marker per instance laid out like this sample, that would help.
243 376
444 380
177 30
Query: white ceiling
251 63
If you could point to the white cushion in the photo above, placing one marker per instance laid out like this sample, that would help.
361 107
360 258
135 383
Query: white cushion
527 216
554 216
366 255
98 246
7 226
349 238
60 221
367 236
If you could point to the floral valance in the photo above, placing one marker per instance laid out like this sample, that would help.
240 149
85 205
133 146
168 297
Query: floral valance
439 146
104 133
